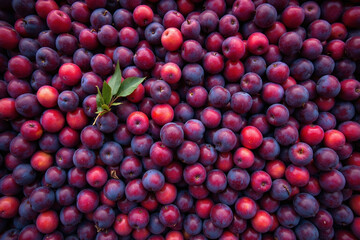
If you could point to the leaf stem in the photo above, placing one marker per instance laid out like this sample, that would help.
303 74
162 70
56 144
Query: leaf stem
99 114
112 101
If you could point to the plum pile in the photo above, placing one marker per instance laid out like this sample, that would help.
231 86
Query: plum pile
179 119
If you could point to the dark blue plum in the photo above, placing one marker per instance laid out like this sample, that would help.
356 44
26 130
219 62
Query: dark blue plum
42 199
107 123
25 210
328 86
272 93
160 91
183 112
31 231
323 65
287 216
188 152
64 157
155 226
300 154
172 135
296 95
306 231
320 29
343 111
284 233
153 180
100 17
286 135
219 97
192 224
41 78
49 142
66 195
24 174
184 201
130 167
86 230
153 33
305 205
84 158
277 114
251 83
66 44
122 135
55 177
47 59
191 51
70 215
280 190
194 130
123 18
123 56
28 47
343 215
27 105
229 196
255 64
111 153
114 189
269 149
106 235
265 16
210 230
224 140
89 81
308 113
82 58
208 20
68 101
33 25
301 69
11 234
331 200
193 74
104 216
238 179
5 140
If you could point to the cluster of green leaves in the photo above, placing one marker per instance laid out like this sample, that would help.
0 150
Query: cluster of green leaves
114 90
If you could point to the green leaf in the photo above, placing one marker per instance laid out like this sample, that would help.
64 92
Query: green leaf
116 104
115 80
99 110
106 107
102 113
106 92
99 98
129 85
